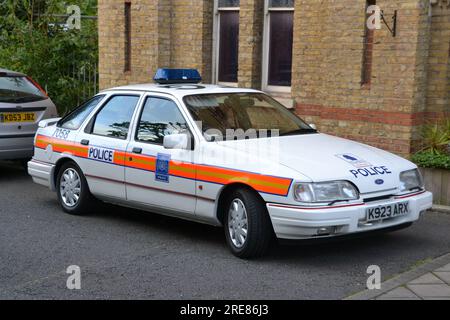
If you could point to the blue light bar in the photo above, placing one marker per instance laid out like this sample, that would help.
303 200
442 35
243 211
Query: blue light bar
165 76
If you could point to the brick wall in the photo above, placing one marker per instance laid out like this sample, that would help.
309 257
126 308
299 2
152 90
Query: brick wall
144 42
436 101
250 43
164 33
438 79
328 53
192 35
410 73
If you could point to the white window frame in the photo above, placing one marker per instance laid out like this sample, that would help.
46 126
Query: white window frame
216 43
266 43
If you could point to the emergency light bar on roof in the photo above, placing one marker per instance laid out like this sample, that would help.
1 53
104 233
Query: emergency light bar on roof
169 76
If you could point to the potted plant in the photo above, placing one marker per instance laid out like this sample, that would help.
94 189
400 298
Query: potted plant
434 160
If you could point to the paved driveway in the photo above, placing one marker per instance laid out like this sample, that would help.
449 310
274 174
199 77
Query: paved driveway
127 254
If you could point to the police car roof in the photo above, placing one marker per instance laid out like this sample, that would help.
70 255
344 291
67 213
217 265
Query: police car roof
181 90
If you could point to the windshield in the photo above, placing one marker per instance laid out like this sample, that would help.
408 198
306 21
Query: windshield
19 90
252 114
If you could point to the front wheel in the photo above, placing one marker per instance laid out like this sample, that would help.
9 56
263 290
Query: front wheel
248 229
72 189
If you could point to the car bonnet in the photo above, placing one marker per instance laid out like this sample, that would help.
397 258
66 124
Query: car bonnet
323 157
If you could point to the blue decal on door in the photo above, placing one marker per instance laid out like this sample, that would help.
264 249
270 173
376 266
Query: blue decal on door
162 167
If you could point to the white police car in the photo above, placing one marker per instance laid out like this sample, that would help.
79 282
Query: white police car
223 156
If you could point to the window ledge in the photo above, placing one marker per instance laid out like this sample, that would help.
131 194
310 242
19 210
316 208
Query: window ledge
228 84
285 99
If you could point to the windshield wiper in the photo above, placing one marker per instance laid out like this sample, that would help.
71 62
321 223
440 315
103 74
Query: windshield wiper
298 131
28 99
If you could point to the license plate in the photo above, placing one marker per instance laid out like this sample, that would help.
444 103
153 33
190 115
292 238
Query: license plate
17 117
387 211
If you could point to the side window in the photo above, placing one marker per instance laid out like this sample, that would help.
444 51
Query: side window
75 119
114 118
160 117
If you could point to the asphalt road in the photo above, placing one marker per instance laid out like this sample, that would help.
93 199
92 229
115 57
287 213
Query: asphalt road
128 254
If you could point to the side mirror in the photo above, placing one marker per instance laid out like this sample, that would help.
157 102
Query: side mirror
312 125
177 141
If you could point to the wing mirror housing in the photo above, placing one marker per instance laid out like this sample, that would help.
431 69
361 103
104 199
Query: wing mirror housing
312 125
48 122
177 141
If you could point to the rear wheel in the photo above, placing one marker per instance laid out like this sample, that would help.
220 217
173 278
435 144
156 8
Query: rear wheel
248 229
72 189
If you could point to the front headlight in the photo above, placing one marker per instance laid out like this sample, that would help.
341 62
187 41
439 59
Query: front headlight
325 191
411 179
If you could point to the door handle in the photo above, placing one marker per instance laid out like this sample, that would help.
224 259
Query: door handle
137 150
84 142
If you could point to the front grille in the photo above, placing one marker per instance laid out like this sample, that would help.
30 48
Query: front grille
374 199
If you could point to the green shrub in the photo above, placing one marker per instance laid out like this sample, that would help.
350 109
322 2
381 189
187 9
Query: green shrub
436 137
30 43
428 159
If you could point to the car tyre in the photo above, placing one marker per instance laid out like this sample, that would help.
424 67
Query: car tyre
73 191
248 228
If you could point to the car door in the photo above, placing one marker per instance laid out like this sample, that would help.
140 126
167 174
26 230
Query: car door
156 176
106 137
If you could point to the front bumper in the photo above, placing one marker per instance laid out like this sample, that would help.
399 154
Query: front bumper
42 173
295 222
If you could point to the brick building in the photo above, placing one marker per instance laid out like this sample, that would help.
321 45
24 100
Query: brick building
317 56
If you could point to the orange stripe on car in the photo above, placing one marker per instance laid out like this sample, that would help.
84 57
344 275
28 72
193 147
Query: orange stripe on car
224 176
62 146
140 162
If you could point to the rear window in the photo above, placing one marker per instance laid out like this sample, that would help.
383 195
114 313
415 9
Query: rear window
19 90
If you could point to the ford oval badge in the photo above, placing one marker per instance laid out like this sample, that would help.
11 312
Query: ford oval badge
379 181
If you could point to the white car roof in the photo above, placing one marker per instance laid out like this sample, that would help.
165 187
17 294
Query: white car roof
181 90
